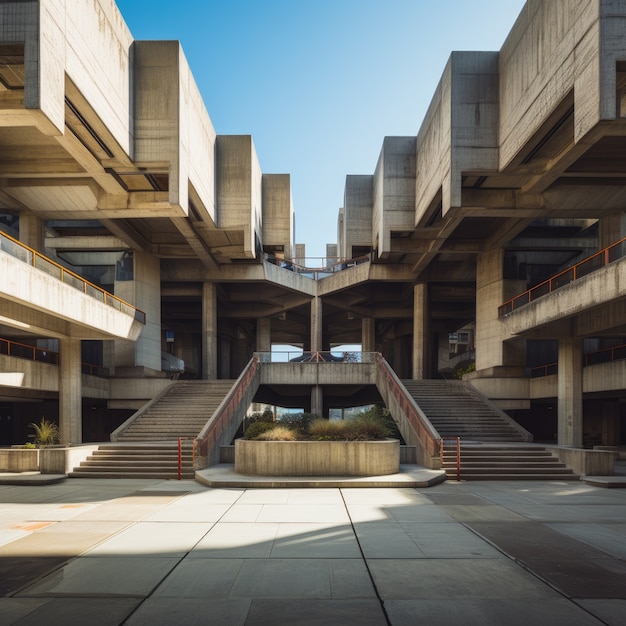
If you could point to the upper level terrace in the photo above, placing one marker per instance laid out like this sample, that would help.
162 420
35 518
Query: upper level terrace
39 296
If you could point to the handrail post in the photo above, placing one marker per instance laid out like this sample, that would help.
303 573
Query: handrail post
458 459
180 458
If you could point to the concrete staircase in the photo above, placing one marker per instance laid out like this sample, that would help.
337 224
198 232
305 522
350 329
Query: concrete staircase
504 462
493 446
455 410
140 460
147 446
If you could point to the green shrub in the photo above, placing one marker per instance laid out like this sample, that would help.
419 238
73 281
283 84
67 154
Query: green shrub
325 430
46 432
368 428
299 422
461 372
278 433
257 428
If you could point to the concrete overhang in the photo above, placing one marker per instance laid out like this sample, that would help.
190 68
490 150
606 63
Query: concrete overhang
36 302
592 305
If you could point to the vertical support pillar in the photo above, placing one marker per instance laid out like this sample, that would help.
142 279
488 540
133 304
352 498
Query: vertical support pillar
368 334
263 335
317 400
420 331
570 393
209 331
492 289
316 324
31 231
70 392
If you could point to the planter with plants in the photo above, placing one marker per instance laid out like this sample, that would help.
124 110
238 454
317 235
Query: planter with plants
305 446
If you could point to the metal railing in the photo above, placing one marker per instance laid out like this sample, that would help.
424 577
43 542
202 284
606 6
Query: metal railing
430 443
226 410
606 355
318 356
328 265
22 252
19 350
586 266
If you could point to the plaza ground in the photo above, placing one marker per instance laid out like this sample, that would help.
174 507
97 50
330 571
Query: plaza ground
175 552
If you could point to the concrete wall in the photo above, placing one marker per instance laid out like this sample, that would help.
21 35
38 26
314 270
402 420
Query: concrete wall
239 189
88 41
29 296
278 216
555 48
172 124
393 191
459 132
355 226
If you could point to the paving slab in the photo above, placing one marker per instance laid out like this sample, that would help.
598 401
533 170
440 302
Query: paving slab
611 539
153 539
191 612
80 611
610 611
549 612
237 540
443 579
104 577
321 541
17 572
316 612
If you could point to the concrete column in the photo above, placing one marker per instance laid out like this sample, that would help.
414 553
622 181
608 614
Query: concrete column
317 400
31 231
570 393
420 331
263 335
316 324
70 391
612 228
368 334
209 331
143 290
491 291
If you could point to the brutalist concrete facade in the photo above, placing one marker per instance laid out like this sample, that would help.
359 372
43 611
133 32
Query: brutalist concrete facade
110 166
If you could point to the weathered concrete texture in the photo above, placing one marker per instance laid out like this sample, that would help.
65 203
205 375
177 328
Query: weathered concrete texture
393 191
278 216
238 192
586 462
19 460
459 132
172 124
317 458
355 219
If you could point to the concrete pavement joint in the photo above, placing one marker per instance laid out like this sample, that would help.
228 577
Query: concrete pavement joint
367 567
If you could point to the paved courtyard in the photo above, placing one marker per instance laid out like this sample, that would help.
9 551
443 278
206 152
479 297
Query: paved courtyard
103 552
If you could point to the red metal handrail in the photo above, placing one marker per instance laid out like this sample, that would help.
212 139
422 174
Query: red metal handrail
226 409
86 287
579 270
588 359
424 436
43 355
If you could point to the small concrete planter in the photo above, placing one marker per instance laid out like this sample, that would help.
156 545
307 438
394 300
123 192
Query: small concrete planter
19 460
317 458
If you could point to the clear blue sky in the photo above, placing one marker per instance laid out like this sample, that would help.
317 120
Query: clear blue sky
319 83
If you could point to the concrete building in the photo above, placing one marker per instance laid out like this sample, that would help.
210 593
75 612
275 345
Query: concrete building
149 240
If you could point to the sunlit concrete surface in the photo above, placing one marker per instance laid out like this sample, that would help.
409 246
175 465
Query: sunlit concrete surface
176 552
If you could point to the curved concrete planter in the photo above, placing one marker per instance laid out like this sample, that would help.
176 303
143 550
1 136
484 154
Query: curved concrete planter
317 458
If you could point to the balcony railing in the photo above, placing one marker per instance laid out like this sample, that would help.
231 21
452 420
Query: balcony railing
18 250
327 265
19 350
330 356
616 353
587 266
